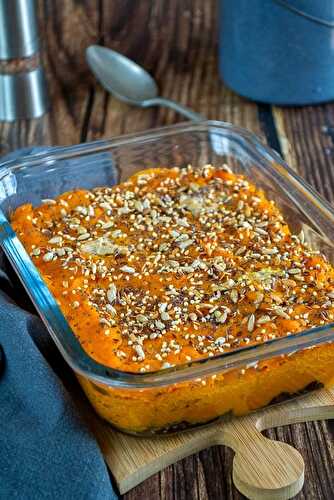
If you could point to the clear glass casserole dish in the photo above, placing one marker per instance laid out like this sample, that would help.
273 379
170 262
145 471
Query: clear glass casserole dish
198 392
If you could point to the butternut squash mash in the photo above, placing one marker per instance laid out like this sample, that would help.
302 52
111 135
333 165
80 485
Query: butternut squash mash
176 265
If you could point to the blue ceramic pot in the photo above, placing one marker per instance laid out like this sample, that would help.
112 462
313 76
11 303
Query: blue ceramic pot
278 51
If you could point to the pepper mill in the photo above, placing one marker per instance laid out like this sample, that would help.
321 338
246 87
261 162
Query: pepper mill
23 90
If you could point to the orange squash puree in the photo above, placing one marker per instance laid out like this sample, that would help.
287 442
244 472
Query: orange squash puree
176 265
142 410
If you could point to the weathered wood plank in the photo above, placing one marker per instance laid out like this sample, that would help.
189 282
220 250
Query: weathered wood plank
177 43
67 28
307 136
24 133
306 139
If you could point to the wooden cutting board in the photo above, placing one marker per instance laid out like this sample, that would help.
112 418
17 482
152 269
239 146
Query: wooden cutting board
262 468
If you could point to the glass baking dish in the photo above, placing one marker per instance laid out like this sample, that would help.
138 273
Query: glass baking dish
199 392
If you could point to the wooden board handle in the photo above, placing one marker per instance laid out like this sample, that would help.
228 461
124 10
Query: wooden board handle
262 468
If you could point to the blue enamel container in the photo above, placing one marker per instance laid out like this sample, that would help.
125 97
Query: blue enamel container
278 51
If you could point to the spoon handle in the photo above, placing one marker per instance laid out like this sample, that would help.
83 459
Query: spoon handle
183 110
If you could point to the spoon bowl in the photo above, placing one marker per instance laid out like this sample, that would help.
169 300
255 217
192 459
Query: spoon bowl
128 81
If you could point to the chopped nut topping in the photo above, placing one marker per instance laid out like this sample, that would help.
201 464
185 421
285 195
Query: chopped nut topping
47 257
176 265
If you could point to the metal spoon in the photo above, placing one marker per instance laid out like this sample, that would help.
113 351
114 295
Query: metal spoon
129 82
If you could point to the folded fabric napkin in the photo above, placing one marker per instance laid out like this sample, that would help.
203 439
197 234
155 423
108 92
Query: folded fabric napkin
46 450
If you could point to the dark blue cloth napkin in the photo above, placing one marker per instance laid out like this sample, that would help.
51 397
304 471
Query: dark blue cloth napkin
46 450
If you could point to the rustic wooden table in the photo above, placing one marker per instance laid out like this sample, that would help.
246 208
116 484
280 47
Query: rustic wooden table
177 42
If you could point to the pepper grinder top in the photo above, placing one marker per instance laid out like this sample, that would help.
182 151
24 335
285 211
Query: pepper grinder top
23 92
18 29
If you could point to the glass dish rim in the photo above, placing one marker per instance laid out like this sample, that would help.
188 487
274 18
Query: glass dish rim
49 310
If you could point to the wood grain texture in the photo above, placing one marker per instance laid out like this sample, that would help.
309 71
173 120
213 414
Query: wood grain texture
177 42
308 133
262 468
